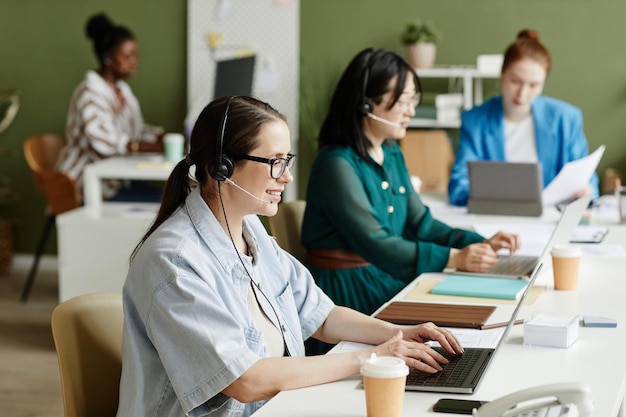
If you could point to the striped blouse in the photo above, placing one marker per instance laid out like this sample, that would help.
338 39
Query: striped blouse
100 125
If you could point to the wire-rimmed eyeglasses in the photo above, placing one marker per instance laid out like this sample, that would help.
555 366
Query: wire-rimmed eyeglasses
277 165
406 105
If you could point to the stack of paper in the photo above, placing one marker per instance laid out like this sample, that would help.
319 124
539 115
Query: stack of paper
449 107
487 287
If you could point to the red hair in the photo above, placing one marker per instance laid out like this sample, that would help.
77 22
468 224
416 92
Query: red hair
527 45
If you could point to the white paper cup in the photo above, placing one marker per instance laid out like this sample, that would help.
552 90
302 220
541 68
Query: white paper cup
566 266
384 380
174 144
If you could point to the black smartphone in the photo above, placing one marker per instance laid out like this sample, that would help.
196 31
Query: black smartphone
454 406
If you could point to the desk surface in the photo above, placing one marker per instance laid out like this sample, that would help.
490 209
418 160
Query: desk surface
151 167
516 366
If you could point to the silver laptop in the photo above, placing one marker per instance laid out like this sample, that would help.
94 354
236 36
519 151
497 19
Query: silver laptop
462 373
505 188
517 266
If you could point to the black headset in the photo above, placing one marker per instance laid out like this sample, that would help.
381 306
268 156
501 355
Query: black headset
365 106
222 167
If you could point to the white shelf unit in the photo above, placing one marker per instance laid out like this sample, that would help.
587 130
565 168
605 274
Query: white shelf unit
471 87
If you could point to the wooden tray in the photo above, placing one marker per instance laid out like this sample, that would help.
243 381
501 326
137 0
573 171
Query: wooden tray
444 315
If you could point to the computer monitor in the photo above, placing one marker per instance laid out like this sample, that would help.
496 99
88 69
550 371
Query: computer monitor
233 77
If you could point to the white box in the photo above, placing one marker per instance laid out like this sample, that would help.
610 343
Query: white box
449 100
490 64
551 330
451 115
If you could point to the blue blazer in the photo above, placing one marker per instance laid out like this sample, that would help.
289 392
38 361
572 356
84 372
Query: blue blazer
558 131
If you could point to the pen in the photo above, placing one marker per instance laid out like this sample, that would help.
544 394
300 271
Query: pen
496 325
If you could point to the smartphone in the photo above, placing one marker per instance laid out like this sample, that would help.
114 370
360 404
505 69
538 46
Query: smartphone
451 405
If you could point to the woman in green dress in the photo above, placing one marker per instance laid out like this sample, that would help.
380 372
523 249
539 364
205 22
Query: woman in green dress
366 230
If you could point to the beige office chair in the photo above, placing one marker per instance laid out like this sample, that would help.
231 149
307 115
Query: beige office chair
286 227
87 332
61 192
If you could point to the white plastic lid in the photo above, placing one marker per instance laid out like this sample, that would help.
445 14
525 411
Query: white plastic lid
566 251
384 367
173 137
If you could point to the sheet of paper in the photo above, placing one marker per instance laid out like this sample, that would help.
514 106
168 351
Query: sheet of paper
468 337
572 178
477 338
603 250
534 236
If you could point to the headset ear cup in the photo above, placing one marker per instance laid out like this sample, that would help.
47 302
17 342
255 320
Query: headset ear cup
365 107
222 169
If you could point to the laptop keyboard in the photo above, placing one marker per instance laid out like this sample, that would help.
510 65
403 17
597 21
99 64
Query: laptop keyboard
454 373
514 265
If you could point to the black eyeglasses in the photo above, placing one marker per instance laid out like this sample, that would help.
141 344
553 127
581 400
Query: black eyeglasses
277 165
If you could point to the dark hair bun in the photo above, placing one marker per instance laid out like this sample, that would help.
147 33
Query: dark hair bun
528 34
98 26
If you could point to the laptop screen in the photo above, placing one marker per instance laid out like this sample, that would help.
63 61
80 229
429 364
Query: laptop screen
505 188
233 77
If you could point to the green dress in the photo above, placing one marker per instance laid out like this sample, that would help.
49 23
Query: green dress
374 211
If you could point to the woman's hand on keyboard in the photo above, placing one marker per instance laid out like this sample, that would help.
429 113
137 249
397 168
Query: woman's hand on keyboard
504 240
477 257
411 344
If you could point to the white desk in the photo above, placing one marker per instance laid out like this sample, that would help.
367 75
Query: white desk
94 251
95 241
601 292
140 167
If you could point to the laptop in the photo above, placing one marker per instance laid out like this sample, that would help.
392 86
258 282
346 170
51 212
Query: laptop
518 266
463 373
505 188
233 77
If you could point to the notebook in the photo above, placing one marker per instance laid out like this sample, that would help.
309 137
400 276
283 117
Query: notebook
517 266
486 287
443 315
505 188
463 373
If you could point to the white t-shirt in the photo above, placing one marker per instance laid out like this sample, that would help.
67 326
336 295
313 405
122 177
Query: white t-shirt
520 140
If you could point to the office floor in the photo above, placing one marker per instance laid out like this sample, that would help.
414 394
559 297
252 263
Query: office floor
30 385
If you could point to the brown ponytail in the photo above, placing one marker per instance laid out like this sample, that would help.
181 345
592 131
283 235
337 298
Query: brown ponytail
246 116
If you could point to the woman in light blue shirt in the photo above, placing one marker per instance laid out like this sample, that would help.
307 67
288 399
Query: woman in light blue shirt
521 125
216 313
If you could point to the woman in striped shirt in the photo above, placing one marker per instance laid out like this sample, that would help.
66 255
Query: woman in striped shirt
104 117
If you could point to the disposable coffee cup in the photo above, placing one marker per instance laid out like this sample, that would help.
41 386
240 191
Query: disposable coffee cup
566 266
174 144
384 379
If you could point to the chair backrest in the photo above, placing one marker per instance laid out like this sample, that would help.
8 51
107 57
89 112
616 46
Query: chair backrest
41 153
87 332
286 227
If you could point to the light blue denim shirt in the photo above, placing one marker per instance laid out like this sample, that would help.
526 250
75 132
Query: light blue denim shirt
188 332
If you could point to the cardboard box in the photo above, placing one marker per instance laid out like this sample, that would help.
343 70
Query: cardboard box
428 155
551 331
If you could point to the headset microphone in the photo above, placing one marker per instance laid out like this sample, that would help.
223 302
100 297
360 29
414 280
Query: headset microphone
385 121
228 180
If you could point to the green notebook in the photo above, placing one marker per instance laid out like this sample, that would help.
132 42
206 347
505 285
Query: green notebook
472 286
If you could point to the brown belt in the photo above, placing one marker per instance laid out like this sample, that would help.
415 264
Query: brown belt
334 259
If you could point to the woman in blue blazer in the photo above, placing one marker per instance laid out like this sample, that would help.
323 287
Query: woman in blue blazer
521 125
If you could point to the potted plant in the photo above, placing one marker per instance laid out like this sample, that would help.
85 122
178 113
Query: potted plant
421 41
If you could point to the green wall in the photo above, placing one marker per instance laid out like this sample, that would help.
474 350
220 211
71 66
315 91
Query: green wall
586 39
44 54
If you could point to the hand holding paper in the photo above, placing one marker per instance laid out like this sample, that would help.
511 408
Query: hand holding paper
574 176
